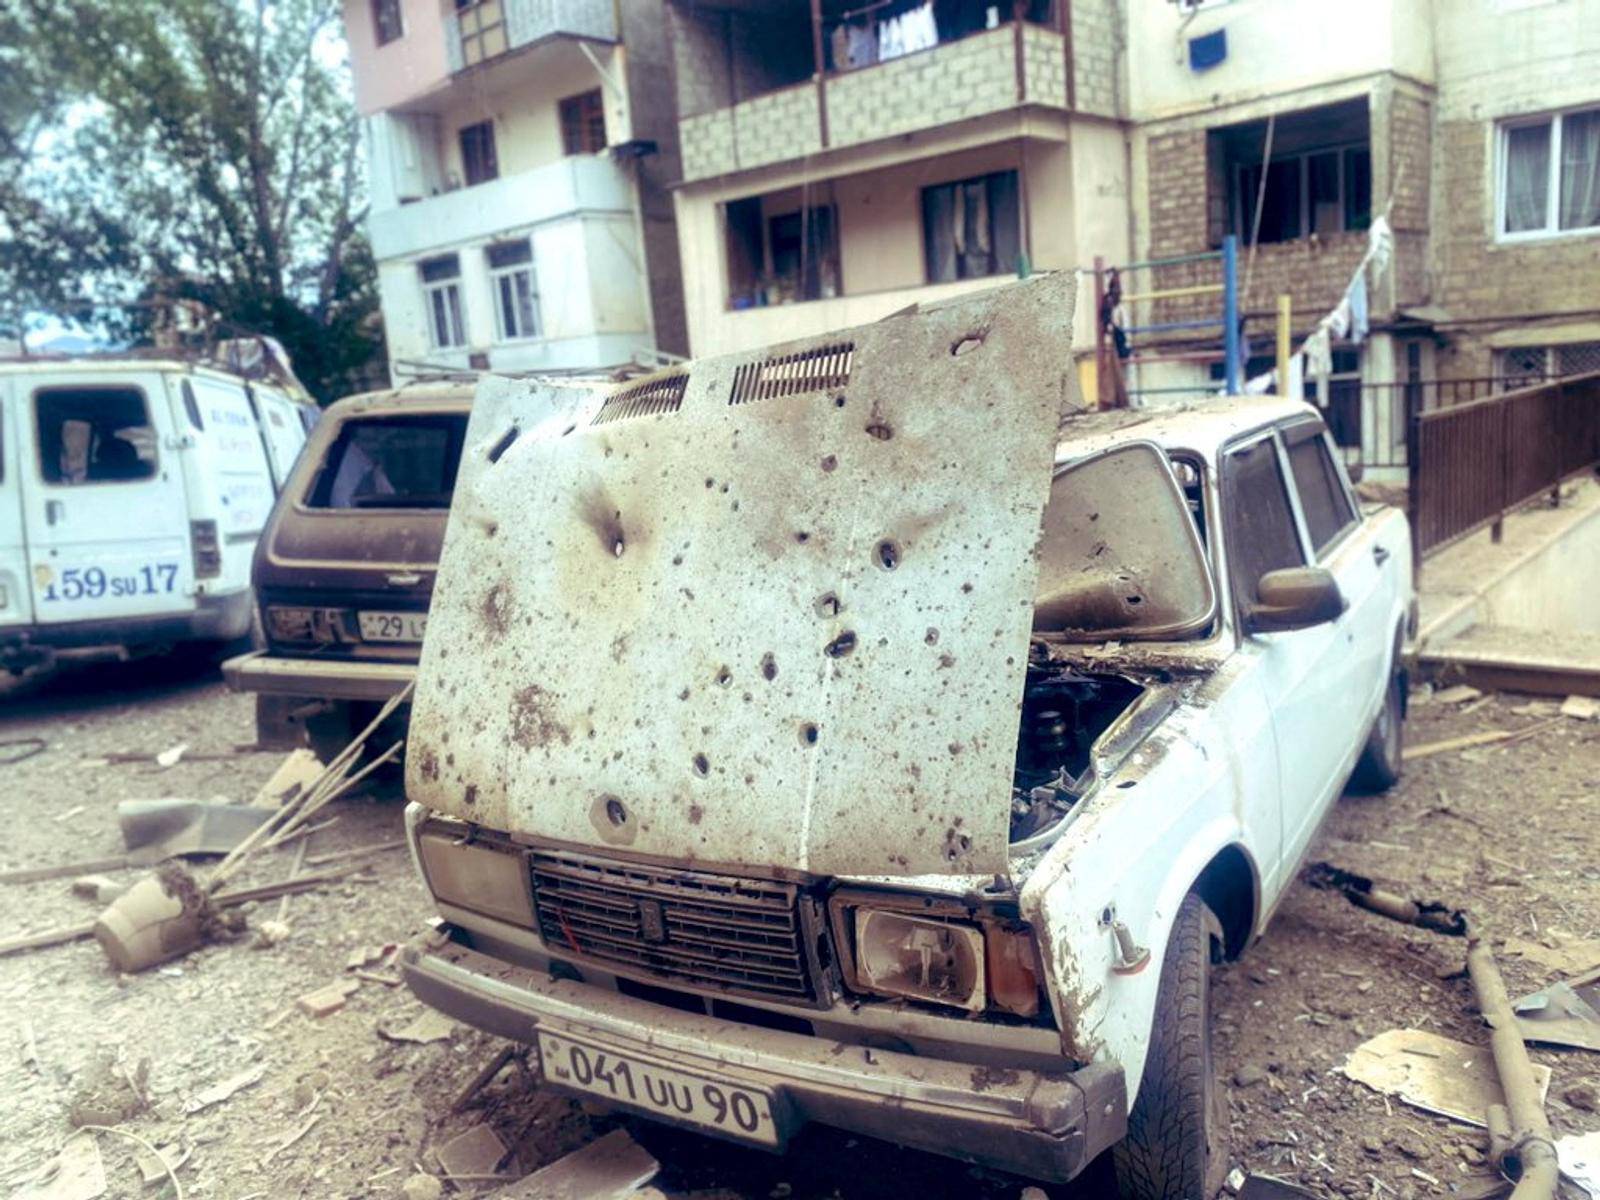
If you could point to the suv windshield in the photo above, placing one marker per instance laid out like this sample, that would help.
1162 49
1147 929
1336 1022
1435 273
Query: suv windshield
1119 554
391 462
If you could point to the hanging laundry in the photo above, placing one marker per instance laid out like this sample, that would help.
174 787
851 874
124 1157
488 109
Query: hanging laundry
1380 245
1356 300
1319 354
854 45
1297 377
1338 321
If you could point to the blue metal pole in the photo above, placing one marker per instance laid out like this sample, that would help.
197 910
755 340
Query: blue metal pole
1230 315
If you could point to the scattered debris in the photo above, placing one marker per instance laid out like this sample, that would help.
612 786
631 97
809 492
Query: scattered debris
472 1155
1559 956
1433 1073
612 1166
1428 749
1265 1187
1459 694
107 1094
1363 893
481 1080
366 956
429 1026
328 999
173 827
68 814
30 1046
1581 708
1566 1013
269 933
1235 1181
218 1092
18 749
1537 708
97 888
1583 1096
170 756
76 1173
291 1138
161 1162
1579 1156
422 1187
293 778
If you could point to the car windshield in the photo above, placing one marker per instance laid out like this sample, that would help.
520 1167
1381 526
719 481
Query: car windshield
1119 554
391 462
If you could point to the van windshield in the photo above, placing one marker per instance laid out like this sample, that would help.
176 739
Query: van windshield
391 462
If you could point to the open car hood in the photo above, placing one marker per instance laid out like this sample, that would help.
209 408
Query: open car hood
767 610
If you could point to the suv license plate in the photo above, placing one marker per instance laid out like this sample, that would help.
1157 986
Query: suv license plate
393 626
726 1108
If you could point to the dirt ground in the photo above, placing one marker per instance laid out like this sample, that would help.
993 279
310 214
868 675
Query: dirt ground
341 1111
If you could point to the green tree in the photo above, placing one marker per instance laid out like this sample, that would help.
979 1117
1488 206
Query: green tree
195 149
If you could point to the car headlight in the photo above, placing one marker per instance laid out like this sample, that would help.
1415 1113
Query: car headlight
487 877
287 623
939 961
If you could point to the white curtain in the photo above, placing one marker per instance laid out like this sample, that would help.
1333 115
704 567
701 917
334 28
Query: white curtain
1580 170
1527 177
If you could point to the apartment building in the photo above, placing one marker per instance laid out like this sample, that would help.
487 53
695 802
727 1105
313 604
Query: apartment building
1472 125
520 155
842 159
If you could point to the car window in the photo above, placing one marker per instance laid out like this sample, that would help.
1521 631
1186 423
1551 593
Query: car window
1323 499
94 435
391 462
1261 531
1119 555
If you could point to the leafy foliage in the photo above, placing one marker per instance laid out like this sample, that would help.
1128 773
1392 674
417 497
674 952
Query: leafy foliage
153 150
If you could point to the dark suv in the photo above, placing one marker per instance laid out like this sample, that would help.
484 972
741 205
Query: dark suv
344 570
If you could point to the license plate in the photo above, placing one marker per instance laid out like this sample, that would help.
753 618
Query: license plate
726 1108
393 626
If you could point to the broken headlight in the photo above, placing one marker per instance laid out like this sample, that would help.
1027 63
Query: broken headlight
292 624
938 961
486 877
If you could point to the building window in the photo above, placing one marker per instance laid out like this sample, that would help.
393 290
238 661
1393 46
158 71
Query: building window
441 296
478 162
516 294
386 23
583 124
483 29
1318 175
783 258
1550 174
972 228
1528 365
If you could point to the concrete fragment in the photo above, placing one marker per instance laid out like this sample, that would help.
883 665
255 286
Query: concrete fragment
328 999
151 1169
76 1173
476 1152
269 933
1459 694
422 1187
1433 1073
294 775
1581 708
97 888
608 1168
107 1093
221 1090
428 1026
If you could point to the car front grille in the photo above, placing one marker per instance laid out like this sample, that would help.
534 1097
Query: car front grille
741 936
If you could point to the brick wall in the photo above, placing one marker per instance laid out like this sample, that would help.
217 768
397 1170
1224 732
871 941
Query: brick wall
1045 62
951 82
1410 136
772 128
1096 47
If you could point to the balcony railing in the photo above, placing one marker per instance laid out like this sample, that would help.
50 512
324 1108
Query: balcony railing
485 29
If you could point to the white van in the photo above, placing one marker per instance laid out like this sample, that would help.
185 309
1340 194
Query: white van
132 492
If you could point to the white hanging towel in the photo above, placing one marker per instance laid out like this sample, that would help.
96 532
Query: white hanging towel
1356 300
1380 245
1338 321
1297 377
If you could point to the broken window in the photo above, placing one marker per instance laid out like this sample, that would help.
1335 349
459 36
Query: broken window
391 462
1550 174
478 161
1119 553
441 296
94 435
972 228
386 22
1318 173
583 124
1261 535
1323 500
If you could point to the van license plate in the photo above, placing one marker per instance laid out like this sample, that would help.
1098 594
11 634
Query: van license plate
726 1108
393 626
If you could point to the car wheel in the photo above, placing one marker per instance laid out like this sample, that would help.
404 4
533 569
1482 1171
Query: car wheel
1176 1148
1378 768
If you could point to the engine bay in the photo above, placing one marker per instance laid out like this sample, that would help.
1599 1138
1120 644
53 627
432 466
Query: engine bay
1064 711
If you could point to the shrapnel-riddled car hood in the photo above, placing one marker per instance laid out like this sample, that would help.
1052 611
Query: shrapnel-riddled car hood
764 610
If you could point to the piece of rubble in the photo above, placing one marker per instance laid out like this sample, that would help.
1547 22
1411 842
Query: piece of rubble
172 755
294 775
154 1168
613 1166
1579 1156
428 1026
223 1089
1459 694
1235 1181
98 888
329 998
1581 708
76 1173
475 1153
269 933
1561 956
1584 1096
1433 1073
107 1094
422 1187
366 956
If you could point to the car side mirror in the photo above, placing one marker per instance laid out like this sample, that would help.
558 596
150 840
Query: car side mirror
1294 598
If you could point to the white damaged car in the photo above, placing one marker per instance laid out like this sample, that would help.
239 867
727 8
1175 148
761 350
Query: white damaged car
861 732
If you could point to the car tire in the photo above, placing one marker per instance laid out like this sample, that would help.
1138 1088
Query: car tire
1176 1148
1378 768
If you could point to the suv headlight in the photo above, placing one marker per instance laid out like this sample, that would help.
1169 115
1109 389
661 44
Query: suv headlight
487 877
289 623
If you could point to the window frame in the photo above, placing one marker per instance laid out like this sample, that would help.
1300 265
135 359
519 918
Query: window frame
482 136
429 287
583 121
1243 198
496 274
1552 202
377 7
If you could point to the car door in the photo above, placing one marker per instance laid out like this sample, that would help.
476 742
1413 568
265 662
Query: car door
103 499
1296 667
1335 538
16 603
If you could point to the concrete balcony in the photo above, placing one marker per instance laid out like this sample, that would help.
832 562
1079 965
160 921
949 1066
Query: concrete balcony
932 88
562 188
485 30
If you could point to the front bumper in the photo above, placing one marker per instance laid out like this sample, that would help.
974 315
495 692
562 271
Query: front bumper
1043 1125
317 678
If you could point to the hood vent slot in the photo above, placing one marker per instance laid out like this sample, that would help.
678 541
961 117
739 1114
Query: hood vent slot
793 374
652 398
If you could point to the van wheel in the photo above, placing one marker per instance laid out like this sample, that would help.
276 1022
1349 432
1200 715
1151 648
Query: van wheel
1379 766
1177 1142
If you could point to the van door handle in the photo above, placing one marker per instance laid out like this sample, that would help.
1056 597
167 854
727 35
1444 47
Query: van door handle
54 511
1380 555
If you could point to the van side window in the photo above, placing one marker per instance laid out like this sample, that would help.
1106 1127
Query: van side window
1322 495
1261 531
94 435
